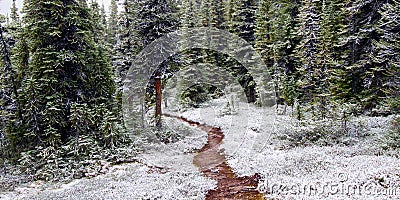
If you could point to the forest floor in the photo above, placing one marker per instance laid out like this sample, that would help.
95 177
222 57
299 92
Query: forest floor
353 166
256 141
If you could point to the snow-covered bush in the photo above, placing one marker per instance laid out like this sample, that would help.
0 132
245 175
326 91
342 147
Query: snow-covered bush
309 132
172 131
391 140
339 128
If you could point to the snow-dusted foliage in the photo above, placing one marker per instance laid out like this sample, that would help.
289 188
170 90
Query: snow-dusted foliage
162 171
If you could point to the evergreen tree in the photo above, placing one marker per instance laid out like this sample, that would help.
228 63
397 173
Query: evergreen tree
229 6
10 110
20 52
67 87
112 24
311 75
125 49
359 81
242 17
217 14
275 27
387 54
210 14
205 13
263 31
340 89
12 27
189 14
154 18
99 23
329 55
14 12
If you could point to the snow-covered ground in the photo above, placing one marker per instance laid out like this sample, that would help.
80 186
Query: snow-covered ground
254 143
360 170
165 171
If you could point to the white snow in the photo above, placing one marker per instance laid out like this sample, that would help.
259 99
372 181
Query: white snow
360 170
251 146
178 178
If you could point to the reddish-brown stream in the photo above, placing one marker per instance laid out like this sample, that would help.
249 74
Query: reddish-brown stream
212 162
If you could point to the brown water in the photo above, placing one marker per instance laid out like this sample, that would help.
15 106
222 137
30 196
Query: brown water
212 162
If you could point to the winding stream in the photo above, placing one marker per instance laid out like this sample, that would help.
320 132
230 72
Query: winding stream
212 162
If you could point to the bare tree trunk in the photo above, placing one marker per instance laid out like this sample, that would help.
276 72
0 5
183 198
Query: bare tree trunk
252 97
158 101
142 110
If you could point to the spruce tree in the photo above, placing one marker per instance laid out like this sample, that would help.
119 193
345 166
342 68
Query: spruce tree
242 17
125 48
205 13
112 24
190 14
217 14
387 54
340 89
275 27
263 31
359 81
330 53
98 17
14 12
10 109
67 87
154 18
310 73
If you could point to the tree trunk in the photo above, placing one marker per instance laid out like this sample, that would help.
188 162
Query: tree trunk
158 101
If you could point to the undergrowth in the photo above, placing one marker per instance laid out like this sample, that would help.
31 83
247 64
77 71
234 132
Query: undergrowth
76 159
391 140
333 130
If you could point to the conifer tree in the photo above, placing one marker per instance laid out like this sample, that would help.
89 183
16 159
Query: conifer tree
154 18
99 23
274 32
67 87
339 30
242 17
125 48
12 27
205 13
112 24
358 82
14 12
126 43
10 109
190 14
387 54
20 52
217 14
329 55
310 73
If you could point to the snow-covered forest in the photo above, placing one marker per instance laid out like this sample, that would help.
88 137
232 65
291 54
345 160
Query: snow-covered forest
200 99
